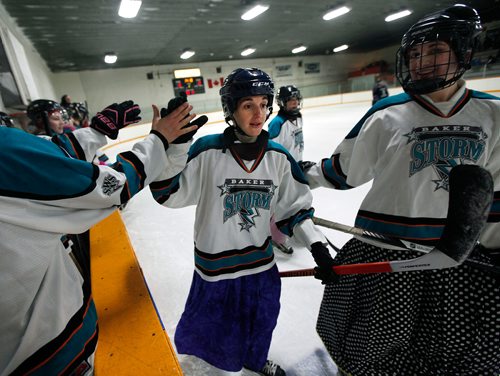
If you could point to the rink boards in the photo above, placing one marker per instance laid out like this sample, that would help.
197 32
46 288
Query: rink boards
132 340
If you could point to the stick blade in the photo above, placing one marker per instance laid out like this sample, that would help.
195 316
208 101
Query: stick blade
471 196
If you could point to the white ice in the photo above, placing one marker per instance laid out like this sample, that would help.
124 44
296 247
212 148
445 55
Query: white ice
163 242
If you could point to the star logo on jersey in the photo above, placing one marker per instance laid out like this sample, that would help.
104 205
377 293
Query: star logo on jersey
245 197
247 216
110 185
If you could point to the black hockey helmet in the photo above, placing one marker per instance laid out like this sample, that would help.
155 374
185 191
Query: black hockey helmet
285 93
39 110
459 26
78 111
5 120
65 115
245 82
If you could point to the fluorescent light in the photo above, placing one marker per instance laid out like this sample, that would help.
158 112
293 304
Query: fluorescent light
341 48
298 49
397 15
247 51
254 12
129 8
110 58
183 73
187 54
336 13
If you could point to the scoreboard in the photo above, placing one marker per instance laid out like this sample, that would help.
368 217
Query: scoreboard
190 85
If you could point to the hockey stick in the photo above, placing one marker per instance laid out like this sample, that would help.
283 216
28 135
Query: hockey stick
471 195
297 273
388 242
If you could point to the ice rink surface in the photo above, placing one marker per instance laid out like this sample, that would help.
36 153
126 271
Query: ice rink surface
163 242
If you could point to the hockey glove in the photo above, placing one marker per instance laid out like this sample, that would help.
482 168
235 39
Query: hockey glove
175 103
493 254
325 262
115 117
306 165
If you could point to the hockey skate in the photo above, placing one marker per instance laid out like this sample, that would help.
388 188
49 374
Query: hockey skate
272 369
282 247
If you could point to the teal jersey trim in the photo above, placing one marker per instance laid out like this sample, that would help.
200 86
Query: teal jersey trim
382 104
274 127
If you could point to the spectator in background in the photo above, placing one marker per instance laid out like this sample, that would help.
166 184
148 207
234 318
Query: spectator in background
380 90
65 101
48 321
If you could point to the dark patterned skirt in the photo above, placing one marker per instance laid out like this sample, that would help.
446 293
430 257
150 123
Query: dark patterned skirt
432 323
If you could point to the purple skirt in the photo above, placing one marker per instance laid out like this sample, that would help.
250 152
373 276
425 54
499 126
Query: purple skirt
230 323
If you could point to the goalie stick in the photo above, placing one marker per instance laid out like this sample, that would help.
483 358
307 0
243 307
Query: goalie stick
471 195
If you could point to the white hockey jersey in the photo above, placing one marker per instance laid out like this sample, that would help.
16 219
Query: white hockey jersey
46 308
287 131
235 200
408 145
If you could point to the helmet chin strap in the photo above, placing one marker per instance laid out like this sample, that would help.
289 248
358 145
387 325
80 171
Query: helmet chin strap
241 135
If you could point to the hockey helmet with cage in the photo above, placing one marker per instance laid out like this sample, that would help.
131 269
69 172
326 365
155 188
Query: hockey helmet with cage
78 111
245 82
39 111
285 93
459 26
5 120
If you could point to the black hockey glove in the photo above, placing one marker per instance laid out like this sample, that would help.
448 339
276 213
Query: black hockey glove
115 117
325 262
493 254
175 103
306 165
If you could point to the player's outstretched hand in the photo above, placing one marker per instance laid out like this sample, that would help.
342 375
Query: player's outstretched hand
175 103
115 117
325 262
175 124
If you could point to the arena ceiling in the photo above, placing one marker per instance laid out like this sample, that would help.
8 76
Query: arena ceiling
74 35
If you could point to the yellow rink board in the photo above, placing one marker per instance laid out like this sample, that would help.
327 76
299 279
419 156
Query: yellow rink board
132 340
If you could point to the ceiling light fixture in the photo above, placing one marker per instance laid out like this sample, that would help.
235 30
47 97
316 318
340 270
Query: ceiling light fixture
254 12
186 54
129 8
247 51
398 15
110 58
341 48
299 49
337 12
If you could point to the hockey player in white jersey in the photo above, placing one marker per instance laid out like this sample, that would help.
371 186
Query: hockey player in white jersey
286 129
238 180
438 322
48 320
46 117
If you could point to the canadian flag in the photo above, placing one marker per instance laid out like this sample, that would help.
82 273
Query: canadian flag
215 82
